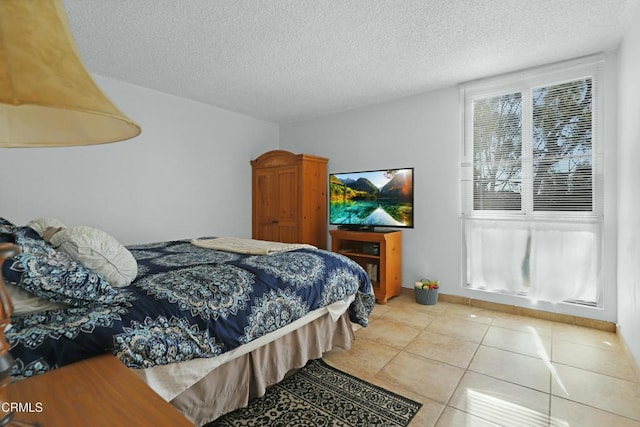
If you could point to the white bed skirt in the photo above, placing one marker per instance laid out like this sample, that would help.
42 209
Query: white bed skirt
172 379
234 383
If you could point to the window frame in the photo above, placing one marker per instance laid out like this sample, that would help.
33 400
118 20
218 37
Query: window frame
525 82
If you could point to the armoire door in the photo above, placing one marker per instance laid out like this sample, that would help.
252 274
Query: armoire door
288 204
266 208
277 208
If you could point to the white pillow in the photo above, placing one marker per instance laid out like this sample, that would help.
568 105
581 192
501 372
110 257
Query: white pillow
98 251
41 224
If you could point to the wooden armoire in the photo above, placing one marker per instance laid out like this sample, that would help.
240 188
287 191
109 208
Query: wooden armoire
290 198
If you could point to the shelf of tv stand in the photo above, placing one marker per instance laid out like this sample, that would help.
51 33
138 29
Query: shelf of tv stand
352 254
388 259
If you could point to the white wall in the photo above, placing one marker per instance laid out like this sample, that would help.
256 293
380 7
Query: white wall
187 174
628 194
425 132
420 132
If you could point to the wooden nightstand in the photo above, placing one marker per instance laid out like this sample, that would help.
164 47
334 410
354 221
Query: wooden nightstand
100 391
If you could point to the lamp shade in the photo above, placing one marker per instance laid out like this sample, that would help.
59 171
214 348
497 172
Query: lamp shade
47 97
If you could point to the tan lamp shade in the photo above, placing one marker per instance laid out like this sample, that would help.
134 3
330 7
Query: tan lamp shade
47 98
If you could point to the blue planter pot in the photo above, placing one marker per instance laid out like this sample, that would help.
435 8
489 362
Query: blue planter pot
426 296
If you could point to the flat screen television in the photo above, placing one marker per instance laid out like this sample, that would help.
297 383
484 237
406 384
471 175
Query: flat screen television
368 199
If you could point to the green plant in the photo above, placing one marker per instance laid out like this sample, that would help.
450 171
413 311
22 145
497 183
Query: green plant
428 284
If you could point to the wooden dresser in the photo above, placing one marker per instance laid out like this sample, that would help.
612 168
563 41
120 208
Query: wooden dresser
100 391
290 198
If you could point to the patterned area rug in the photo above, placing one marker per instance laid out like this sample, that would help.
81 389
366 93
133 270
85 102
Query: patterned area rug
320 395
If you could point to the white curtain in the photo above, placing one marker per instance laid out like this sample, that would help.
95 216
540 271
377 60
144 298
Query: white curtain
496 256
564 265
547 262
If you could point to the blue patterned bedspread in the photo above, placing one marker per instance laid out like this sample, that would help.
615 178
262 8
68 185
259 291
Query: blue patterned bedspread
189 302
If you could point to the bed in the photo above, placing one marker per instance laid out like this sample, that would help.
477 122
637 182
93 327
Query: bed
207 329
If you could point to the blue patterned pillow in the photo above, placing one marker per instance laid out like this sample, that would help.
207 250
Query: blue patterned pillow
7 227
12 267
54 276
4 221
7 234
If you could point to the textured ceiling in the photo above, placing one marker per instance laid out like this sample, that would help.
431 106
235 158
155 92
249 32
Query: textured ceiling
290 60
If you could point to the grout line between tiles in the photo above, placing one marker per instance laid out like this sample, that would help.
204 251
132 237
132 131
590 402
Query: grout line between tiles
403 304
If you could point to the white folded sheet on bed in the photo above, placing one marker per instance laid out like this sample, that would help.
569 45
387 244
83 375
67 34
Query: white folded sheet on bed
171 380
249 246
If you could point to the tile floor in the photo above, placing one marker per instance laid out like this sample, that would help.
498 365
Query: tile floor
470 366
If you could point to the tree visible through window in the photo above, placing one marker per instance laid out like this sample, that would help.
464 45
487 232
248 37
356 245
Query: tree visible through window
497 153
558 149
562 151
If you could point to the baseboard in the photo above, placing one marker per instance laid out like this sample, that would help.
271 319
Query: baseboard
627 350
524 311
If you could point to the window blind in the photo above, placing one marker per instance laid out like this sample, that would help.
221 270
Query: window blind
562 146
558 170
497 153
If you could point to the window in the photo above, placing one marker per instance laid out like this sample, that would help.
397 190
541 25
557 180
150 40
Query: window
497 153
531 198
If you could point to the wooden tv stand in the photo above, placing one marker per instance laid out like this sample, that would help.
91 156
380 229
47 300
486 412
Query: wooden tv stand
379 253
